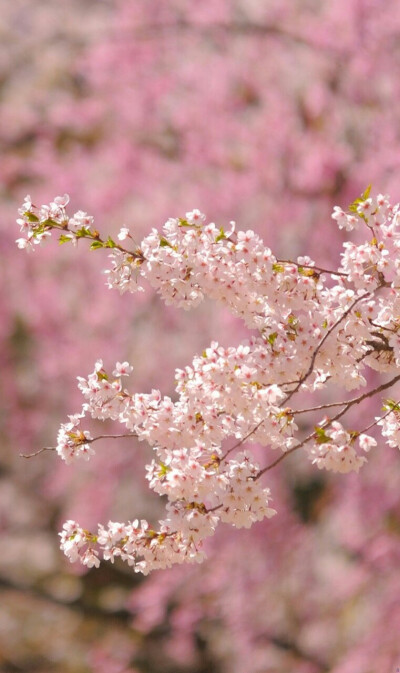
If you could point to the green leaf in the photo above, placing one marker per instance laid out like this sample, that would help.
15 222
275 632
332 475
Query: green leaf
221 236
96 244
366 193
272 337
39 229
82 232
392 405
49 223
110 243
278 268
310 273
31 217
184 223
164 469
321 436
102 376
164 243
353 206
64 239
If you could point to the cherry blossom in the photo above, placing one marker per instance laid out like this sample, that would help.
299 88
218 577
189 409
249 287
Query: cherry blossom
314 328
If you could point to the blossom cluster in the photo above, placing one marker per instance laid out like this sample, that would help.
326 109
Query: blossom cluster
313 328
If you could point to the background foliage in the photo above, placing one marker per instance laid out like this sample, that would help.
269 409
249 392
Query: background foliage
268 113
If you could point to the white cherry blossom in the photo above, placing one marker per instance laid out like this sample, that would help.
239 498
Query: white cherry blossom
314 331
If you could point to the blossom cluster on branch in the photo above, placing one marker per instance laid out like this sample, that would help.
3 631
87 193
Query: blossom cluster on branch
312 329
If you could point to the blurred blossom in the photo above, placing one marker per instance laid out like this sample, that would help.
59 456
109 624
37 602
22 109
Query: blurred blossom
268 114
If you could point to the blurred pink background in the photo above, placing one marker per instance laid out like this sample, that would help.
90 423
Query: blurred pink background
267 113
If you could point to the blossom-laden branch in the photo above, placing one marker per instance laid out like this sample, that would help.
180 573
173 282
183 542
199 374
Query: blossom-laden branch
315 329
77 441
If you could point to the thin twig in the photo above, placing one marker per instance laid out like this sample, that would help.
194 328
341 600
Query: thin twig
240 442
314 268
329 422
84 441
376 421
90 441
321 343
36 453
303 378
363 397
349 403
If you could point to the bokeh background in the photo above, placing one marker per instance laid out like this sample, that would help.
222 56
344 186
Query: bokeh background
266 112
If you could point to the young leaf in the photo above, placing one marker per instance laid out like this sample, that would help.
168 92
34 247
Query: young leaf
164 243
96 244
321 436
31 217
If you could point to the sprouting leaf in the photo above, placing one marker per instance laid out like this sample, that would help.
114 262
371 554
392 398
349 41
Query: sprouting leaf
309 273
366 193
46 224
82 232
164 469
353 206
256 384
110 243
392 405
321 436
31 217
272 337
164 243
96 245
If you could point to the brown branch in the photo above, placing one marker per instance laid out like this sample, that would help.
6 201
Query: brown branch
95 236
329 422
83 441
243 439
376 421
314 268
321 343
36 453
129 434
363 397
301 381
348 403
